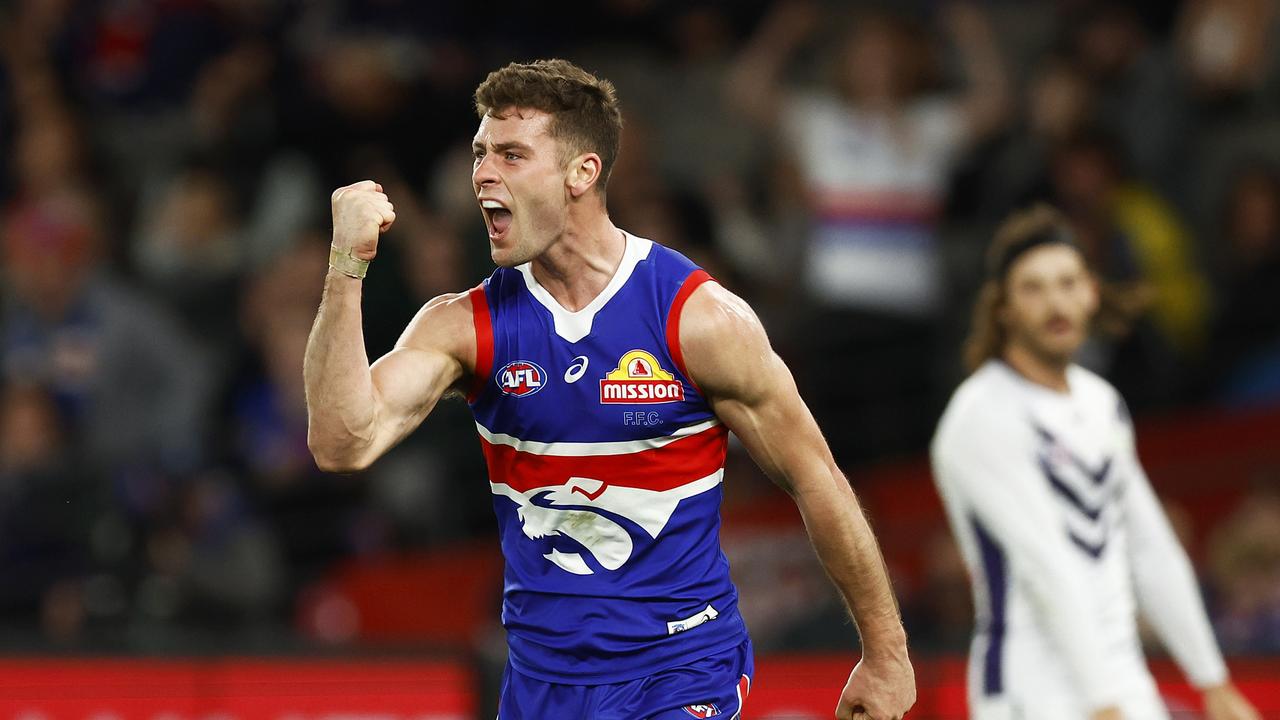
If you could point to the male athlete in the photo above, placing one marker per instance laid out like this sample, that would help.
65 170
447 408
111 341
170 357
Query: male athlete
605 373
1065 540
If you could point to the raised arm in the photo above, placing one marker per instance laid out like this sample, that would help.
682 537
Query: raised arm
754 81
749 387
355 412
985 104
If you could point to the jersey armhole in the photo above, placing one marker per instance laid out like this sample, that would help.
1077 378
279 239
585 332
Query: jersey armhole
484 341
691 283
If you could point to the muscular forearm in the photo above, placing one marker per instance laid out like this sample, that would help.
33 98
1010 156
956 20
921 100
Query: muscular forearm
341 409
848 550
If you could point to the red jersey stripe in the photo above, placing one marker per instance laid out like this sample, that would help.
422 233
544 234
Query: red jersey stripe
484 341
593 449
670 466
691 283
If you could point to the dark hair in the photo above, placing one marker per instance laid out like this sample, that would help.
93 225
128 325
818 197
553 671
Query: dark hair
584 110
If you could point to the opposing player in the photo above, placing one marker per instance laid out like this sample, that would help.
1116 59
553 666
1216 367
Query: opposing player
1065 540
604 372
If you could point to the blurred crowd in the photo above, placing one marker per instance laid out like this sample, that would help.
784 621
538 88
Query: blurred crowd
164 232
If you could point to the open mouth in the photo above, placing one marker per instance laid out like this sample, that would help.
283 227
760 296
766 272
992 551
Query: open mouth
497 217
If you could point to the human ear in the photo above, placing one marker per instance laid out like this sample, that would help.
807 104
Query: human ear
584 173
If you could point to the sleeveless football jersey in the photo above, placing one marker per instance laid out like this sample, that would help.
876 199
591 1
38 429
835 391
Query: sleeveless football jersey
605 463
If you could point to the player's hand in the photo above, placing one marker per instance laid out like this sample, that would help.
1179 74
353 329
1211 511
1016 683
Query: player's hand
1224 702
360 213
1111 712
878 689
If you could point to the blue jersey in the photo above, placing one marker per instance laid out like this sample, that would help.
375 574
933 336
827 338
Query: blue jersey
605 463
715 686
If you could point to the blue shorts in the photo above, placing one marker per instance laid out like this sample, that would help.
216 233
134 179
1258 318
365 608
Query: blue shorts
711 687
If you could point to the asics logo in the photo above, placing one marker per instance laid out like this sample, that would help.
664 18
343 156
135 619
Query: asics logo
576 369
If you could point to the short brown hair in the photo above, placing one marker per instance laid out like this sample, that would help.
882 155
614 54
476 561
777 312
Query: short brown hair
987 336
584 110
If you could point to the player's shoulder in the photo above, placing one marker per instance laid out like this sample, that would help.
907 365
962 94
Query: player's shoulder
701 304
1085 379
664 260
984 393
706 320
1092 386
502 286
714 314
985 401
1096 392
723 345
451 304
445 322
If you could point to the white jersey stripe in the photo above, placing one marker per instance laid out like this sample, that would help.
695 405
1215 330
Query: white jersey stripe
592 449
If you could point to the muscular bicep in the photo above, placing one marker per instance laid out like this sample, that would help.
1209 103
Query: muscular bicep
435 353
777 429
408 382
728 355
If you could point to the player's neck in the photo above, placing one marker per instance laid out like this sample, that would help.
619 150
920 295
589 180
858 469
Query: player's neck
1037 369
578 266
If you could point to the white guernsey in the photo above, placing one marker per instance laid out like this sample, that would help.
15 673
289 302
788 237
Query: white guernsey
1065 541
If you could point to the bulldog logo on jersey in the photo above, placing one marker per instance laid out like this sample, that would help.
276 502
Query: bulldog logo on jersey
521 378
591 515
639 379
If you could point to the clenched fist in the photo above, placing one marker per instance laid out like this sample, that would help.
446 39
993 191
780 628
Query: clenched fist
881 688
360 213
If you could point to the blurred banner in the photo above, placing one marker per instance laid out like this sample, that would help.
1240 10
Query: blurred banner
795 687
235 689
802 687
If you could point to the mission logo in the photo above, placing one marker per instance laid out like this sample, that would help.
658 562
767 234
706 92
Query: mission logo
521 378
639 379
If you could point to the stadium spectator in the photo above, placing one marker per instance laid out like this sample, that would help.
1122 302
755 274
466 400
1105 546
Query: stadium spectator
1223 46
129 382
1245 366
43 537
1141 97
1141 249
1244 564
872 153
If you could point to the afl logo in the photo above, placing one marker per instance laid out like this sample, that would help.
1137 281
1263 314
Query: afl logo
704 710
521 378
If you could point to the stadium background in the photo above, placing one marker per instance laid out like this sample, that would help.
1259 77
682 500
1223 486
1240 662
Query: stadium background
167 547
